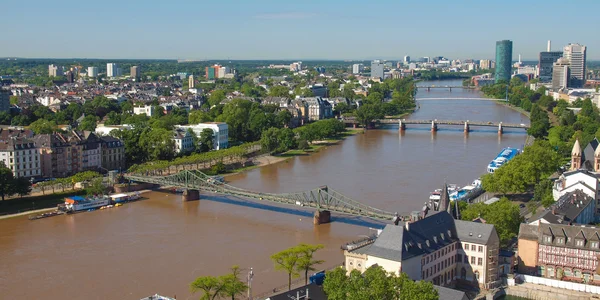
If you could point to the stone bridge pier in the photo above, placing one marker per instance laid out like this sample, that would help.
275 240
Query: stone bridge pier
467 128
434 126
402 125
191 195
322 217
500 129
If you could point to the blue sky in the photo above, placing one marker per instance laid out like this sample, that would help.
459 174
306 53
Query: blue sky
303 29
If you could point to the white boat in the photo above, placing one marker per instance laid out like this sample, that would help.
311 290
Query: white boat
436 195
78 203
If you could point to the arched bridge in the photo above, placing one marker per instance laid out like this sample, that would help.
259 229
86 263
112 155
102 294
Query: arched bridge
449 87
465 124
462 98
321 199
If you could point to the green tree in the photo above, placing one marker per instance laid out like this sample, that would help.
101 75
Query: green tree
6 181
20 186
279 91
233 286
216 97
269 139
96 187
198 116
286 140
206 140
211 287
283 118
287 260
543 193
307 262
158 143
43 126
368 112
503 214
88 123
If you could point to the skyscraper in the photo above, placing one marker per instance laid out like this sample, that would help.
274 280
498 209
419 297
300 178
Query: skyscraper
112 70
92 72
575 53
503 60
191 83
377 69
357 68
135 72
54 71
406 59
545 65
560 74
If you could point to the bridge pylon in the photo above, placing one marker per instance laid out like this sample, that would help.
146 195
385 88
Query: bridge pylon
466 129
191 195
433 126
500 129
401 125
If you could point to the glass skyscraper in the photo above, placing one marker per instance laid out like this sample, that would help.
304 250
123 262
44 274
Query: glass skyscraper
503 60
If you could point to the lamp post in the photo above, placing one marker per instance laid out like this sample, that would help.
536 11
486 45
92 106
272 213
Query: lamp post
250 275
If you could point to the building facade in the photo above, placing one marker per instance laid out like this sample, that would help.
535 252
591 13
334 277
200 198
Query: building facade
576 54
220 131
318 109
113 70
357 68
113 153
135 72
4 100
546 64
377 69
92 72
147 110
436 248
191 82
561 74
183 140
503 60
54 71
19 154
560 252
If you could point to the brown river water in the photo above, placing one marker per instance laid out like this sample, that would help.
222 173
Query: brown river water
162 244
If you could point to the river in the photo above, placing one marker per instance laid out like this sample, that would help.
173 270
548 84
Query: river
162 244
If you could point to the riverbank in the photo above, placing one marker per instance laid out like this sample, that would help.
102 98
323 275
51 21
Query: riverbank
515 108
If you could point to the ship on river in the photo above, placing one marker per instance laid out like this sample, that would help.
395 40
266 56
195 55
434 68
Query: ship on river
503 157
79 203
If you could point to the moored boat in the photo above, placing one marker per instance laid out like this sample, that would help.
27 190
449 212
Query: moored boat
78 203
503 157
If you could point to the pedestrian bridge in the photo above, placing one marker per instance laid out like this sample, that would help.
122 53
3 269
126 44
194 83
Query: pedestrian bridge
455 99
465 124
448 87
321 199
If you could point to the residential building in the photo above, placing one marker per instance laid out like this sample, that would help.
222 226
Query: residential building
503 60
435 248
561 74
296 66
70 76
184 141
191 83
92 72
220 131
485 64
54 71
212 72
377 69
113 153
135 72
319 90
576 54
113 70
89 147
104 130
560 252
318 109
147 110
4 100
546 64
19 154
574 207
357 68
223 71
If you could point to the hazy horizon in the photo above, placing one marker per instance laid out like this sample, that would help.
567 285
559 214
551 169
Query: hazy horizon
275 30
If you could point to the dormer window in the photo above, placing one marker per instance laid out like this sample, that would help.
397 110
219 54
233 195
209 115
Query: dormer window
594 245
442 235
560 240
547 238
579 242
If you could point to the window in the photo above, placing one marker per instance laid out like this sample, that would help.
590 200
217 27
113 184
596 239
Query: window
579 243
473 260
480 249
547 239
480 261
594 245
473 247
560 240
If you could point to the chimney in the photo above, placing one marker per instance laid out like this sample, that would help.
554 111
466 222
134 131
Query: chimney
549 46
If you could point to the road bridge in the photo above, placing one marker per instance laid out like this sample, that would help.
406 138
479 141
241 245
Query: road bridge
465 124
448 87
323 199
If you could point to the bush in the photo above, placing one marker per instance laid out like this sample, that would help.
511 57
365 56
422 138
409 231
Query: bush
218 168
303 144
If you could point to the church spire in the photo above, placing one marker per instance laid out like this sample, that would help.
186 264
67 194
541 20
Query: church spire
444 199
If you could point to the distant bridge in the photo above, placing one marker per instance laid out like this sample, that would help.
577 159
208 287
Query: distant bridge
455 99
434 124
448 87
321 199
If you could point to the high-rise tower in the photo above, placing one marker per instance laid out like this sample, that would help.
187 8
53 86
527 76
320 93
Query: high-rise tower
503 60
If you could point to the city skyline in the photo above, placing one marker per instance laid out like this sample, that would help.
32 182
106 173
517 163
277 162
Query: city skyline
287 31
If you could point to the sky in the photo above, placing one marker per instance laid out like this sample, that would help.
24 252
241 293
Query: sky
288 29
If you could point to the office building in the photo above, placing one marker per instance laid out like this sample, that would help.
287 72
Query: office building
92 72
576 54
135 72
485 64
546 64
377 69
113 70
220 132
223 71
54 71
561 74
296 67
503 60
191 83
4 100
212 72
357 68
406 59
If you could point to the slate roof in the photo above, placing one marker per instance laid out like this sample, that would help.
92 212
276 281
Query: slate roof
473 232
567 208
570 233
450 294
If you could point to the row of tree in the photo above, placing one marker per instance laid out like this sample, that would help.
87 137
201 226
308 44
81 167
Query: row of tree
276 140
503 214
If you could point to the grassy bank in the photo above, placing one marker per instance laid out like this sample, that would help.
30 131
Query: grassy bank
19 205
317 145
